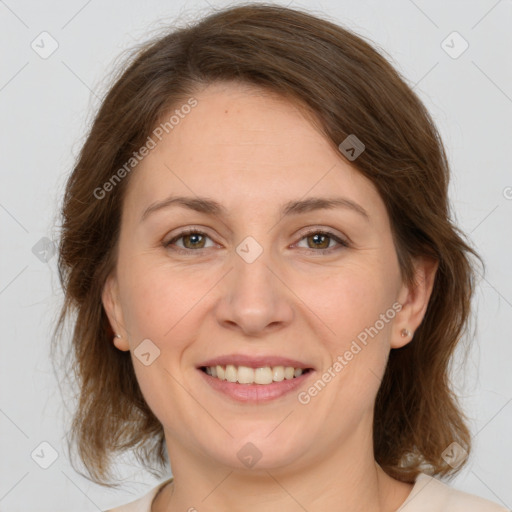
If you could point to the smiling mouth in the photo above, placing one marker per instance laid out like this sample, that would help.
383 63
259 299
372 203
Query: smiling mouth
246 375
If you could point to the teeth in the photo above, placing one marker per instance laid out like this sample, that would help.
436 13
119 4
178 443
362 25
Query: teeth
288 372
246 375
231 373
278 373
263 375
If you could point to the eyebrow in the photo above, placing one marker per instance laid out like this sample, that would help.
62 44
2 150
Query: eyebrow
211 207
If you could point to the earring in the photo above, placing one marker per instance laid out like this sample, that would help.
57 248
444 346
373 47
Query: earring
116 336
405 333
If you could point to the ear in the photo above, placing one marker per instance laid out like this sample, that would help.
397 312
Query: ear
112 305
414 299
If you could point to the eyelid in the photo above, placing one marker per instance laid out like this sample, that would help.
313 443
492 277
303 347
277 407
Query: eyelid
327 231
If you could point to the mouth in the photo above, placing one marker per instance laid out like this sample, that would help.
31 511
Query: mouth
254 379
246 375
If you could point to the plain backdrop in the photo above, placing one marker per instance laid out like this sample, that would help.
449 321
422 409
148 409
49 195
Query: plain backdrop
45 107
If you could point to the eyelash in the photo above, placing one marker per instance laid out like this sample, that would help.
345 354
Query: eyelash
190 231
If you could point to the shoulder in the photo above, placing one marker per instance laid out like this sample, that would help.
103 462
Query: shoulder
432 495
142 504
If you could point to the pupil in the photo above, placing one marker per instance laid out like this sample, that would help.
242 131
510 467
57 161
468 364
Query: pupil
193 238
317 237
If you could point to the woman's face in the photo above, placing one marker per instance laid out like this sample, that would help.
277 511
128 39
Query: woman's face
271 279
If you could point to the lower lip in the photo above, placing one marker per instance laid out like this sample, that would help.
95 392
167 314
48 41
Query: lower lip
255 393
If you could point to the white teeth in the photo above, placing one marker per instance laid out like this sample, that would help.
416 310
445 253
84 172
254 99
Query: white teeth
231 373
247 375
278 373
288 372
263 375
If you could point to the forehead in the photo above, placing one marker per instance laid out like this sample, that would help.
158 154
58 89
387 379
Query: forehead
243 142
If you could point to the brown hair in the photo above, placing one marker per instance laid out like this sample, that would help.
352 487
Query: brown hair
345 87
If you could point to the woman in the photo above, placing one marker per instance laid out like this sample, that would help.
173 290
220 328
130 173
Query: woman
268 285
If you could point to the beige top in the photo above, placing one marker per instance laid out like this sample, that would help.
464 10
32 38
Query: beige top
428 495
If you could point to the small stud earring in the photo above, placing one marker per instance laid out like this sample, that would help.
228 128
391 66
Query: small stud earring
116 336
405 333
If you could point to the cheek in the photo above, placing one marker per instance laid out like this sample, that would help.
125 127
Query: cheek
160 305
356 303
157 297
347 300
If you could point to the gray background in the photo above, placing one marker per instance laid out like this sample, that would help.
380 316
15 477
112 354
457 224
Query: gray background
45 105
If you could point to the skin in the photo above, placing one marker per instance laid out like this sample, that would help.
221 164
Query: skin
253 151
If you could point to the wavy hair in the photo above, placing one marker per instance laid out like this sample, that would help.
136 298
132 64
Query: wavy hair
344 86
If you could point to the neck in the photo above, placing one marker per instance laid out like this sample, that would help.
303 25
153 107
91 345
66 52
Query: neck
346 479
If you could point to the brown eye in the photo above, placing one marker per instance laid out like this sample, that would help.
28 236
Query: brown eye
320 241
192 240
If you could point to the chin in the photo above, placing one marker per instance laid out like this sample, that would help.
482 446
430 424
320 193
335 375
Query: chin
258 451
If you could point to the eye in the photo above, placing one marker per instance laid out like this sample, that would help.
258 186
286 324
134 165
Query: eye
319 241
192 239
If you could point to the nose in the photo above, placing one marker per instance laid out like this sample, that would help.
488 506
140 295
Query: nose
255 299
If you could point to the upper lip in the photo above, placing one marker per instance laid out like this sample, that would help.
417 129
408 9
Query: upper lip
254 361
